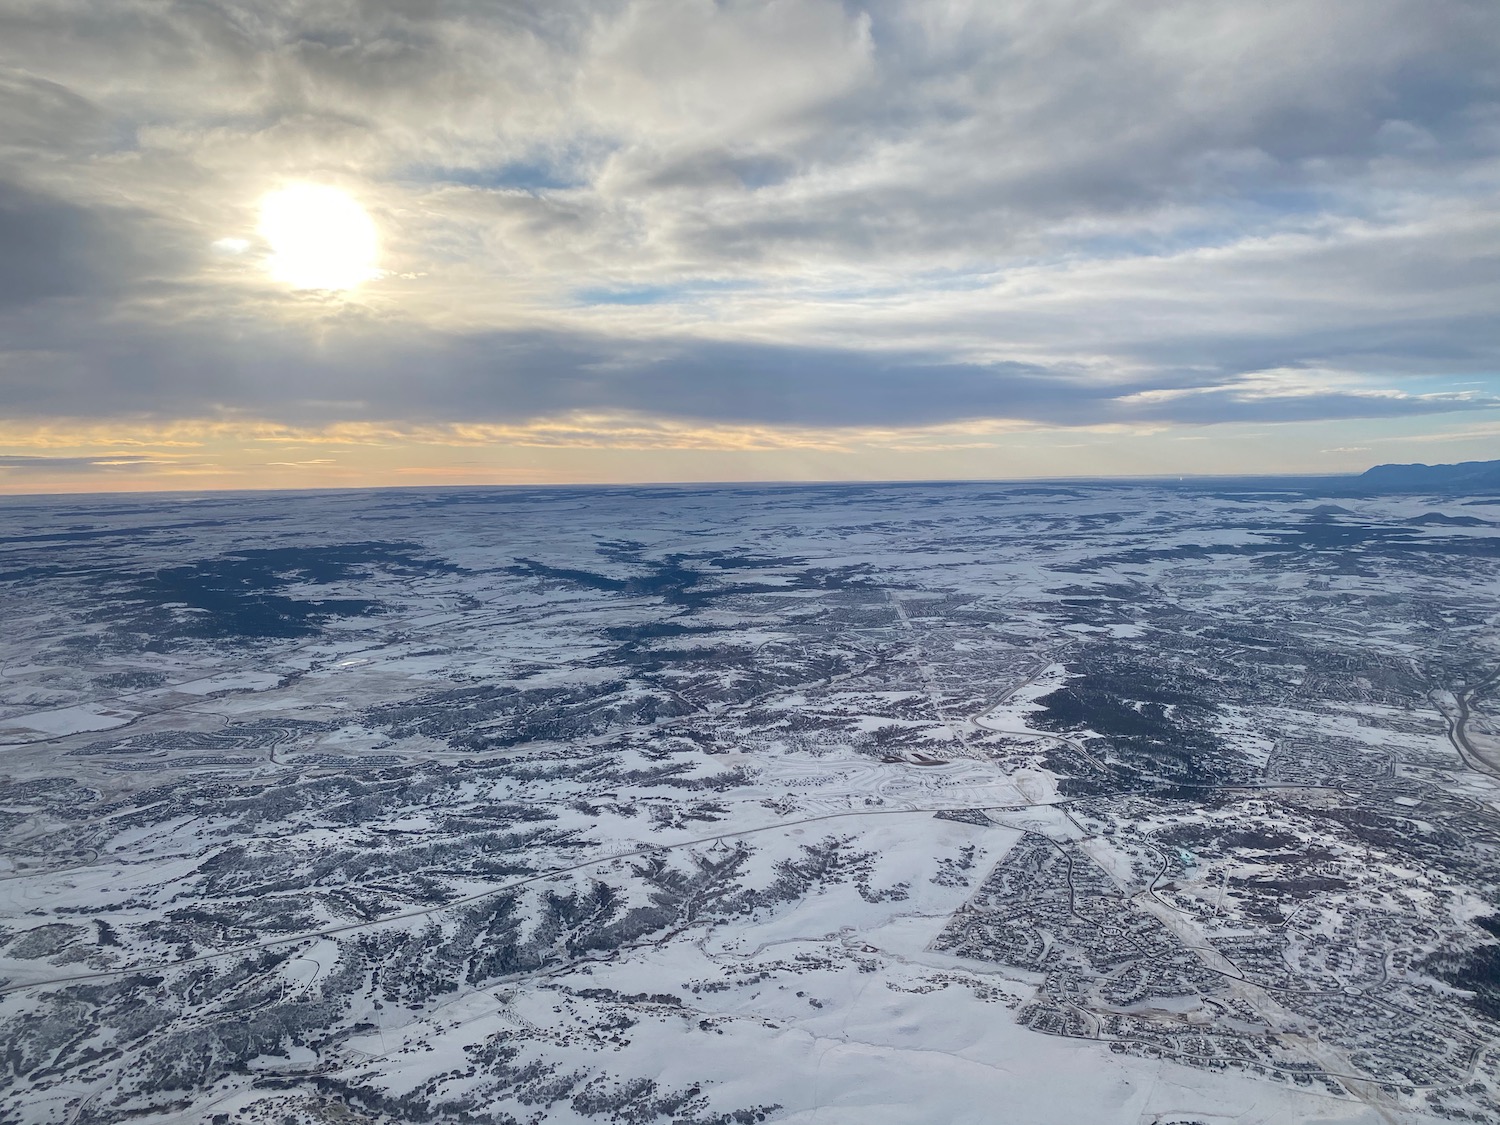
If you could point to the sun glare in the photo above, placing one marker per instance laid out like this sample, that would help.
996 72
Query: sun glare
320 237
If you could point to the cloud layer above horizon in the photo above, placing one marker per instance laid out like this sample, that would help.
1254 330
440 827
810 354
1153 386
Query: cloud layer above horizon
1061 215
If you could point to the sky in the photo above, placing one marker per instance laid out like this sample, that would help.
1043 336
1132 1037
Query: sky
711 240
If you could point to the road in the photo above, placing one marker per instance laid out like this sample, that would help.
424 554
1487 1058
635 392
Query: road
1485 761
983 720
929 681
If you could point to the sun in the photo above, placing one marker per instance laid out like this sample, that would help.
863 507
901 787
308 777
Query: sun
320 237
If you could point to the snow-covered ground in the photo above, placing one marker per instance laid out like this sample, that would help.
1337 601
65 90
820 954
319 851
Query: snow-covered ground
825 805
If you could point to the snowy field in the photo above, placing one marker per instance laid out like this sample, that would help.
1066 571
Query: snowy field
834 805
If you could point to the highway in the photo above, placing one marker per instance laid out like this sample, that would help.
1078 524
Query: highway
1485 761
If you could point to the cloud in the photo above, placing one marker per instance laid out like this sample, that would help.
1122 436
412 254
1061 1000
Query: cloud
357 371
795 214
50 248
107 463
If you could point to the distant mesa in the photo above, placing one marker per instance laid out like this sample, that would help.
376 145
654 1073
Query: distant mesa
1438 519
1469 476
1323 511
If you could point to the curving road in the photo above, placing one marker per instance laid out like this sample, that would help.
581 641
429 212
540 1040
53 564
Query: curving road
1485 761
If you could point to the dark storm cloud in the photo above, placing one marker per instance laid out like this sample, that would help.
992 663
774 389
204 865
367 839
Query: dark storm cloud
799 213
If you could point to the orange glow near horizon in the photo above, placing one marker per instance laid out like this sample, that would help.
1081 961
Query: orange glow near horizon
77 456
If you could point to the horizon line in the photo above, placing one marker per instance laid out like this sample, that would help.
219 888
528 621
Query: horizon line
1151 478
